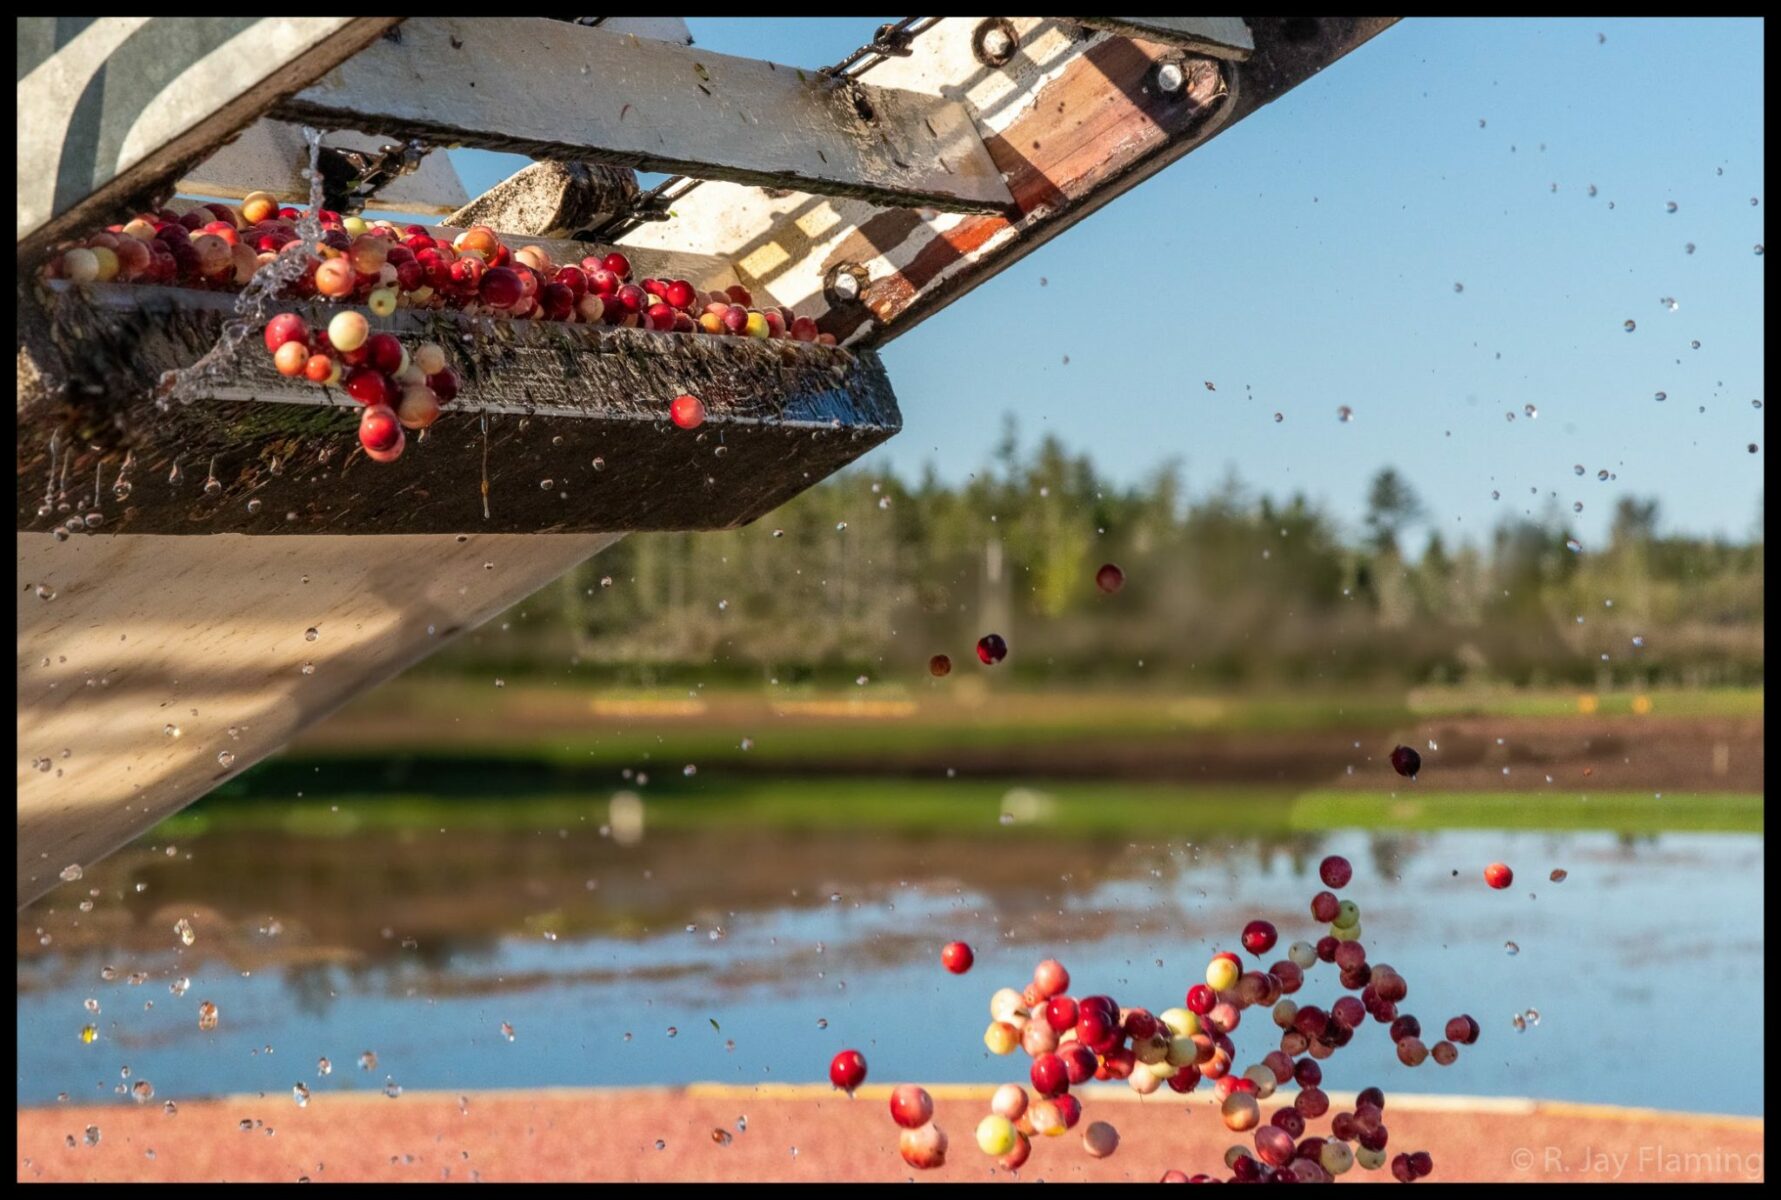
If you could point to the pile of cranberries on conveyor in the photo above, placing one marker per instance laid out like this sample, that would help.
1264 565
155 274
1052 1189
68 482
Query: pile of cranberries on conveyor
383 267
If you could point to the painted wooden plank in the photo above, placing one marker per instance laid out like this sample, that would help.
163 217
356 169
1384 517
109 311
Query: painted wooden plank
207 635
556 90
1220 37
271 156
113 107
540 403
1075 120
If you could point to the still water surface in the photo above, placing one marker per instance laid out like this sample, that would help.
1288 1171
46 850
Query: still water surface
745 958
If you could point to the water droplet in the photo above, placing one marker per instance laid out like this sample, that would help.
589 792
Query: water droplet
1519 1022
178 986
183 927
747 743
1630 325
1459 287
1344 413
1533 1016
1532 412
391 1088
1511 949
207 1016
546 484
721 1136
44 592
1577 506
1574 546
1559 875
72 871
323 1067
1670 207
253 506
840 526
225 758
368 1061
300 1093
308 668
170 1108
599 464
310 634
1279 417
660 1144
1602 475
1662 396
605 581
92 1135
506 1031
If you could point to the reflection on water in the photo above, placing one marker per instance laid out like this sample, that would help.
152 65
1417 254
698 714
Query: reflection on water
421 944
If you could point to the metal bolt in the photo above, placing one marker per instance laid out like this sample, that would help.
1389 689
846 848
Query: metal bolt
995 42
1170 78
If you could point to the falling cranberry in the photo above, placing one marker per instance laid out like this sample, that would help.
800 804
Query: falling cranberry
939 666
848 1070
1406 762
1499 876
1200 999
1109 578
957 957
688 412
1259 937
991 649
1335 871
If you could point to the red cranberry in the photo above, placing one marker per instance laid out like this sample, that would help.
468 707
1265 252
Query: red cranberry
957 957
1060 1013
1109 578
445 384
501 287
991 649
368 386
1406 762
1259 937
1499 876
379 430
688 412
1462 1029
939 666
1050 1075
618 264
1335 871
848 1070
1200 999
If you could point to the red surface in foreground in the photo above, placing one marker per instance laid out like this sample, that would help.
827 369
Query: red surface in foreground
611 1135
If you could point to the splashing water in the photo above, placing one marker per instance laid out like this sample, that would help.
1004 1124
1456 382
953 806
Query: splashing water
259 293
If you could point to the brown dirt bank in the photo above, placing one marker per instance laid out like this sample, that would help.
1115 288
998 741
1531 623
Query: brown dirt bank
807 1134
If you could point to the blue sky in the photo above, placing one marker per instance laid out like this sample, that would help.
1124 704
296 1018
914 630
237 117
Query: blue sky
1306 259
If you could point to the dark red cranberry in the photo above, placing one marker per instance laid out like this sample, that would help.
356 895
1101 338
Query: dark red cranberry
1406 762
991 649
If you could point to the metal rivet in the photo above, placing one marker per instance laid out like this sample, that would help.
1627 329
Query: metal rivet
844 284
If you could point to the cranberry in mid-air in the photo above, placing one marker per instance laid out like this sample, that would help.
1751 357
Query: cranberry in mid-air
940 666
1259 937
1406 762
957 957
1336 871
848 1070
1498 875
991 649
1109 578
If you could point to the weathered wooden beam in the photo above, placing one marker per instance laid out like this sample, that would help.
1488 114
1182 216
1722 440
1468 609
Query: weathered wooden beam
1220 37
1073 118
113 107
556 90
564 426
552 199
272 156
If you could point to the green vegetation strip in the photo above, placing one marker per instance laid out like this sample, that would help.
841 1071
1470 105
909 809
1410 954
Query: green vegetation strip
964 808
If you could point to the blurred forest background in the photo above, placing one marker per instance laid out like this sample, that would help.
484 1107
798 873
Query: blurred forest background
865 574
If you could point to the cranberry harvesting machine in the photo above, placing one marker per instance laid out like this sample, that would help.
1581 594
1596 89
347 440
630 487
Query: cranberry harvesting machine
202 578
